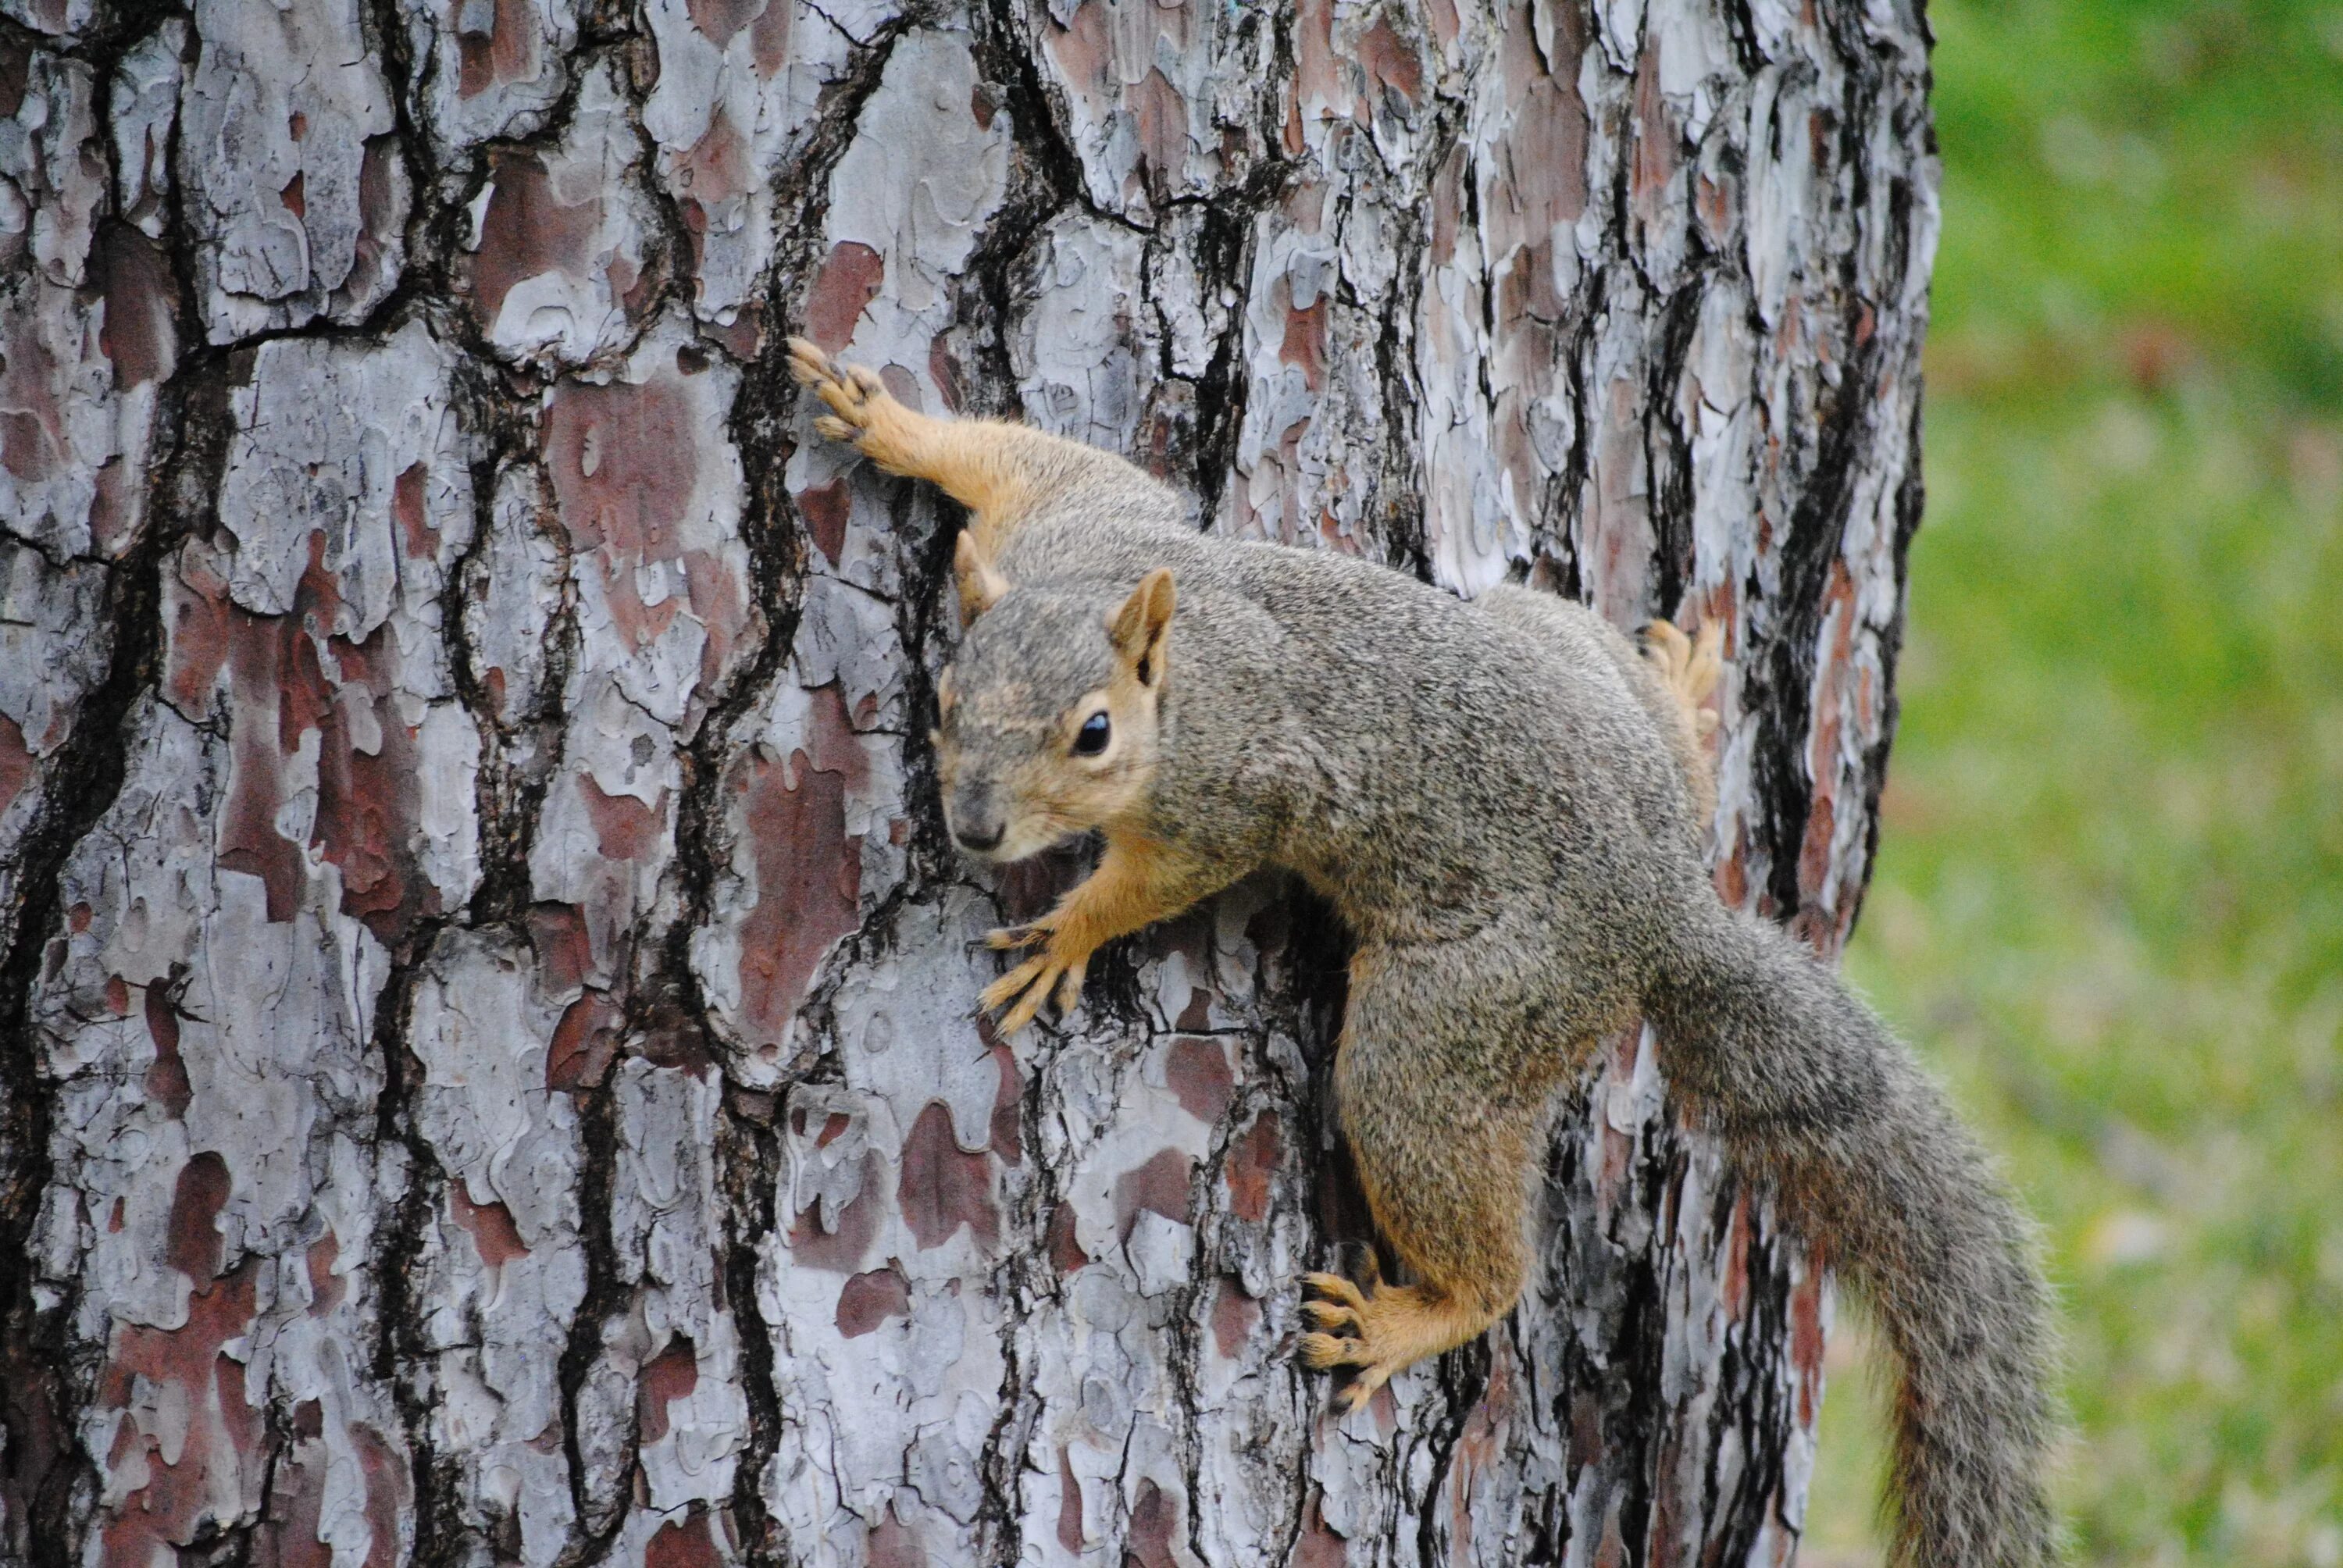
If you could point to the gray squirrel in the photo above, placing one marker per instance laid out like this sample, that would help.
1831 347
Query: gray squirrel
1504 801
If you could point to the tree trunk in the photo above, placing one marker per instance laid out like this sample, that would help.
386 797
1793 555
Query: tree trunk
486 1024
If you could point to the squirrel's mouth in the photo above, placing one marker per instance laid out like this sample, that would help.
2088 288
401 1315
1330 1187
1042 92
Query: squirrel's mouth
1017 840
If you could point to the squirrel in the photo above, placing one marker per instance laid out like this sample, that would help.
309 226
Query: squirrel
1507 804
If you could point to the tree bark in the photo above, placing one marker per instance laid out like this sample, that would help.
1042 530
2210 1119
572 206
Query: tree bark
485 997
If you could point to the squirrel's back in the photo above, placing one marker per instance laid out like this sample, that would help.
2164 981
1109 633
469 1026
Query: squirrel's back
1538 749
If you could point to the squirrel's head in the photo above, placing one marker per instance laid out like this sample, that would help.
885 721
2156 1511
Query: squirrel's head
1048 714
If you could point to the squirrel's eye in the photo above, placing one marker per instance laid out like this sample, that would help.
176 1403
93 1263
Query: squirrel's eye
1090 738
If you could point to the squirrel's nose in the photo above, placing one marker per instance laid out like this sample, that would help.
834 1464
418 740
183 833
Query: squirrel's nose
978 823
977 837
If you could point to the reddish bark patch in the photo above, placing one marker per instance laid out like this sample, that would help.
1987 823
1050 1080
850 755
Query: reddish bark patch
1305 338
32 422
943 1187
866 1300
824 508
1252 1168
1197 1068
527 231
1163 116
295 195
892 1544
1544 169
585 1043
623 461
1065 1249
386 1493
849 279
249 841
840 1251
1390 65
1659 151
167 1074
197 623
139 337
1733 1290
624 828
683 1544
717 20
490 1225
563 947
1160 1186
1083 49
671 1375
1319 1546
407 511
287 1536
1069 1503
809 867
1315 81
16 761
1235 1315
1008 1107
768 37
1807 1341
716 169
1153 1520
506 52
327 1288
370 805
223 1429
196 1246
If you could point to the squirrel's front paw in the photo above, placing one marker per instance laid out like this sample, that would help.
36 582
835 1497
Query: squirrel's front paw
854 393
1025 988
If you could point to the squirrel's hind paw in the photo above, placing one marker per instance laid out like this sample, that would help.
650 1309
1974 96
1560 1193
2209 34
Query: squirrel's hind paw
1378 1331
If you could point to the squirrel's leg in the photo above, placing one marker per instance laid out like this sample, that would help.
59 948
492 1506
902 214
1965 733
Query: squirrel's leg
1444 1136
997 471
1137 883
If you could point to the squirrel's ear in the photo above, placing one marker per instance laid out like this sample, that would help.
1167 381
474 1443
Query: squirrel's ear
1139 627
980 584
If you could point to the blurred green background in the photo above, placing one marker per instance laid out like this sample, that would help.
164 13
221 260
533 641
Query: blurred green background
2108 906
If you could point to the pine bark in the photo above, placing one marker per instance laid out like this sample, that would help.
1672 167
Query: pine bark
485 999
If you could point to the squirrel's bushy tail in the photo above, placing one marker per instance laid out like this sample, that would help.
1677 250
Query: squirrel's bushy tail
1815 1099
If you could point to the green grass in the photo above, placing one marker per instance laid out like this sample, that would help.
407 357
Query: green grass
2109 900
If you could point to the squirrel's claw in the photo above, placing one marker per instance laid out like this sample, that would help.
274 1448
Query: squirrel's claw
849 389
1324 1352
1361 1388
1330 1316
1054 969
1031 984
1335 1289
1030 981
1375 1331
808 363
1069 989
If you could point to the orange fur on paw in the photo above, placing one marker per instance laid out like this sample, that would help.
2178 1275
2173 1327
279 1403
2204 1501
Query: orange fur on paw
863 413
1691 667
1056 968
1377 1331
